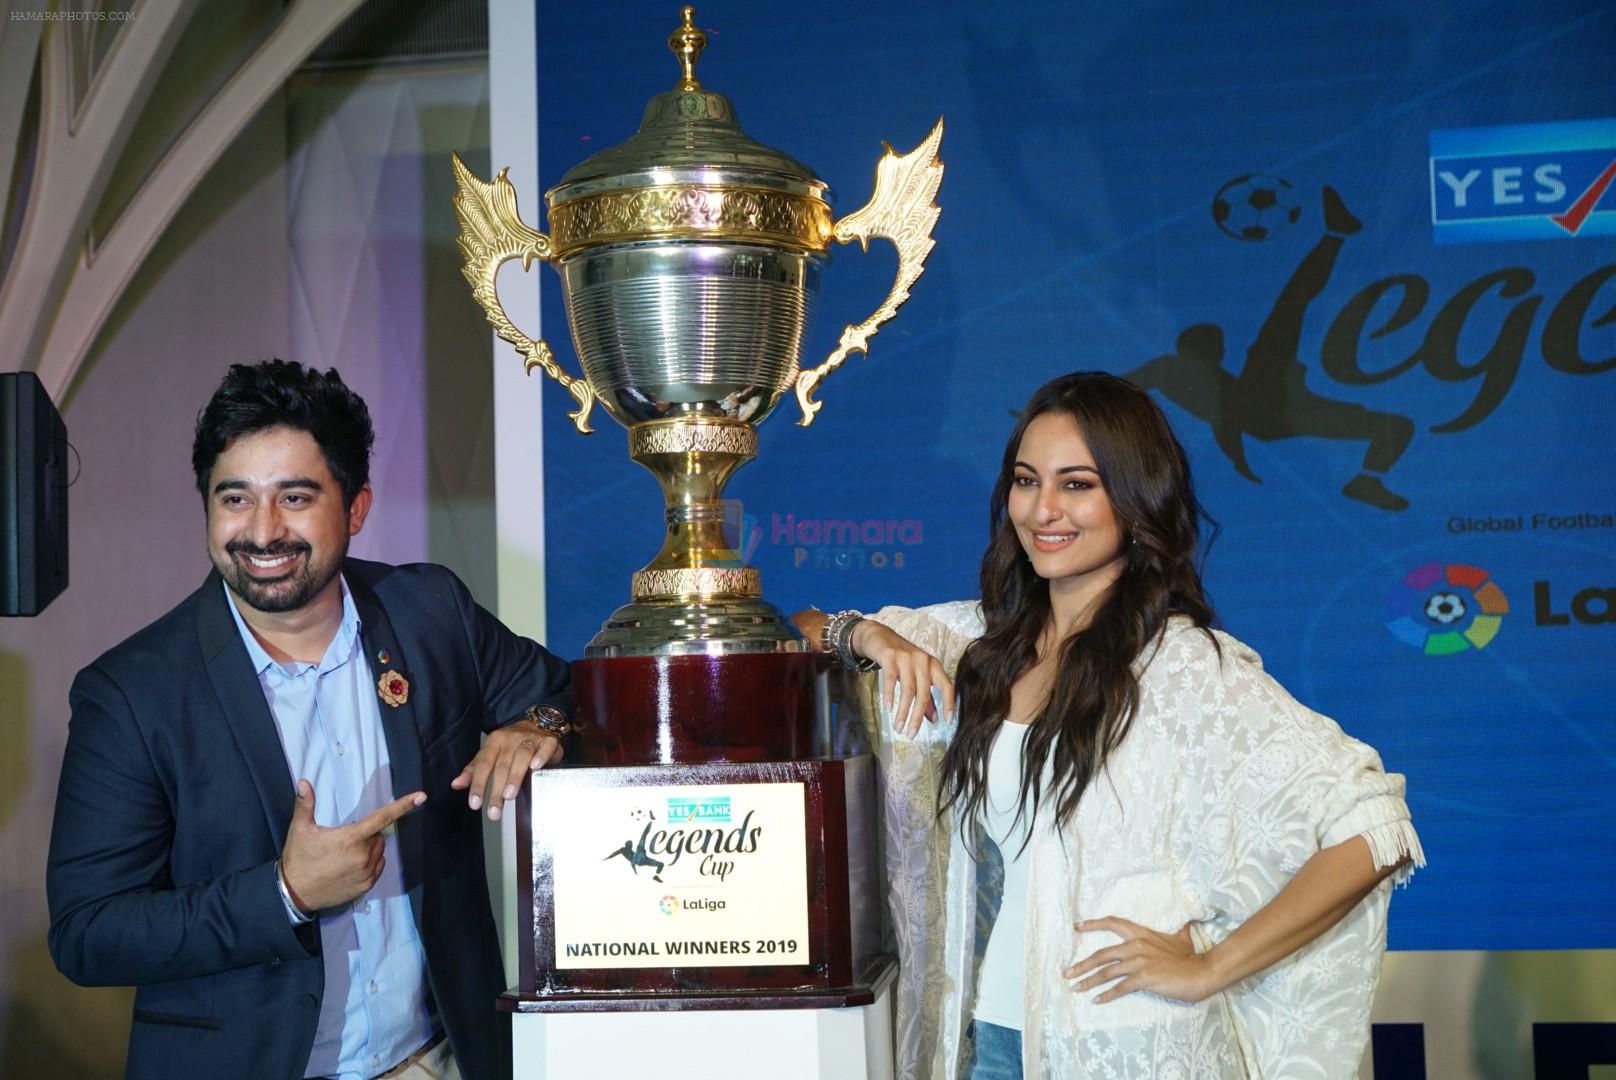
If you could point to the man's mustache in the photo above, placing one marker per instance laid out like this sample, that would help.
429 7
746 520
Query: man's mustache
283 547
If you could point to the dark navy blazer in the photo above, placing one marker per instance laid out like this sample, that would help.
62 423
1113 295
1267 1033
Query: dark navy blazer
174 803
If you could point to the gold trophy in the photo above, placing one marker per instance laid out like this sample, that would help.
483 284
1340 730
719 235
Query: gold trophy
690 258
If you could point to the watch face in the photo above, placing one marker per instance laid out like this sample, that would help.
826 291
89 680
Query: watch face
550 719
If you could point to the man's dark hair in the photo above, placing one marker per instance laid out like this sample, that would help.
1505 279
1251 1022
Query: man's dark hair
282 393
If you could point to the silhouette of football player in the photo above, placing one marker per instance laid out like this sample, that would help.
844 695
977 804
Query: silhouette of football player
1269 399
636 853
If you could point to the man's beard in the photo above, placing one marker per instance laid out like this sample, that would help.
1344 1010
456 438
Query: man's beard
285 594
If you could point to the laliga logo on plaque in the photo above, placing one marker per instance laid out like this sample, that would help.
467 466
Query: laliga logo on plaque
1442 610
660 849
668 905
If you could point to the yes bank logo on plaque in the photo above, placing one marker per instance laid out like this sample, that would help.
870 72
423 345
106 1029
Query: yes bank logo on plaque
1524 182
710 875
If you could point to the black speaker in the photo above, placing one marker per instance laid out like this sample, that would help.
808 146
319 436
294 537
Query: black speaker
33 496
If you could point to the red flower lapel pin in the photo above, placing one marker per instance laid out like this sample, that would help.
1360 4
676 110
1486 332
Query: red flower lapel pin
393 688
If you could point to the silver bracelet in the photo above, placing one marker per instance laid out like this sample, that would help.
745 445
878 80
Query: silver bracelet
837 640
297 913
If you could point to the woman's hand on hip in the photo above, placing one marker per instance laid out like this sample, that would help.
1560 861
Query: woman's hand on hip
1145 959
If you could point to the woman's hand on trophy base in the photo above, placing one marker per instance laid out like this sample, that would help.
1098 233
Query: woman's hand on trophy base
911 674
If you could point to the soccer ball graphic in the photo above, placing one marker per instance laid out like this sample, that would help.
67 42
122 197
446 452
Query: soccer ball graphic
1253 207
1445 607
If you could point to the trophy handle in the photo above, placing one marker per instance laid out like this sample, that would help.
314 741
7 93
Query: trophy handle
492 234
902 211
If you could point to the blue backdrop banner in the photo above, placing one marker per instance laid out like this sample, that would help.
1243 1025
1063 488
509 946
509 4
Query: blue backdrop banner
1361 253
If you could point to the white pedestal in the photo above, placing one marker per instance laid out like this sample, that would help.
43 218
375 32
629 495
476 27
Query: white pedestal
745 1044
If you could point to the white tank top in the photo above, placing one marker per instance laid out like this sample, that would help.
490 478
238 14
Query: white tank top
1000 983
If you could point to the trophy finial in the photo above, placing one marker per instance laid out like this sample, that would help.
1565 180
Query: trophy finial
687 43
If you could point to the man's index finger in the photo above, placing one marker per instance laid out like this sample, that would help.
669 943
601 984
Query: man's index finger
383 818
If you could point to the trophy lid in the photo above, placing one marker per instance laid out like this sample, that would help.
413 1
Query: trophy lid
691 152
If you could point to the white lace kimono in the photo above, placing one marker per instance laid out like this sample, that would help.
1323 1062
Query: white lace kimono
1223 787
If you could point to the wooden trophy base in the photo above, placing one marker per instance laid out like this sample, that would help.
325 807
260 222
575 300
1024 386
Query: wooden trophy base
700 856
688 710
669 887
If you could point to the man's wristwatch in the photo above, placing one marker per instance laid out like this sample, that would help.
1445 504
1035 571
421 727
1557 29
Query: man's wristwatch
550 720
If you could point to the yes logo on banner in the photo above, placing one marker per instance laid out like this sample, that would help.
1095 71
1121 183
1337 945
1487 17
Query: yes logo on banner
1524 182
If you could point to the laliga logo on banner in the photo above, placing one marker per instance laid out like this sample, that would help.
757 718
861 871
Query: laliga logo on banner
1446 609
1593 606
1524 182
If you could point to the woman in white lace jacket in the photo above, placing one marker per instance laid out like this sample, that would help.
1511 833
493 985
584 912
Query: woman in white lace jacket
1150 860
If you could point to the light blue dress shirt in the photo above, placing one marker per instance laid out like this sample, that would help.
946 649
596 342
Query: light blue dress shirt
376 1009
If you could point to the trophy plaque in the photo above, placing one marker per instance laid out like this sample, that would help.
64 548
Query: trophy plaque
690 257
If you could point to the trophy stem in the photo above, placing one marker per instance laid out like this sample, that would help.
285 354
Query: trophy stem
693 458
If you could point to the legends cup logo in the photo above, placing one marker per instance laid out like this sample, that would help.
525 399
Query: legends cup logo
659 849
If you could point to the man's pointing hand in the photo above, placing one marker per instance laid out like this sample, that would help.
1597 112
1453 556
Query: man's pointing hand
328 867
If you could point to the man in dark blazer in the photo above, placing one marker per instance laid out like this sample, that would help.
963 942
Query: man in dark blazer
189 856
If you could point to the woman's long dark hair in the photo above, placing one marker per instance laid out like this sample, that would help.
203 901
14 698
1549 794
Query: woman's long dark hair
1095 692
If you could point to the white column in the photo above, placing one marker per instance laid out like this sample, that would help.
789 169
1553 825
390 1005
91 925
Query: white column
513 118
722 1044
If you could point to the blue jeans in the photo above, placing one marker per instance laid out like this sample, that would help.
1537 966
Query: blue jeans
998 1052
